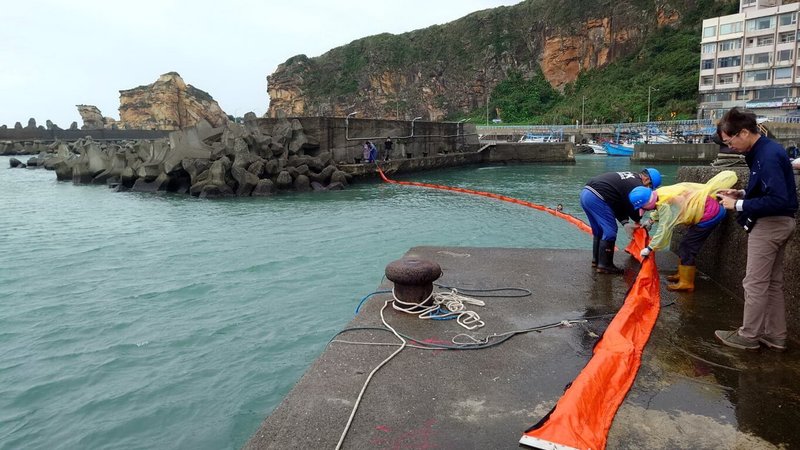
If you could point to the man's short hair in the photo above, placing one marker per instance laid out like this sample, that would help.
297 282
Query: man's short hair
737 120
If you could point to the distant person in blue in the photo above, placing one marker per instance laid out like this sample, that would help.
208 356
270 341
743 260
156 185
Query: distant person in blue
766 210
605 201
373 152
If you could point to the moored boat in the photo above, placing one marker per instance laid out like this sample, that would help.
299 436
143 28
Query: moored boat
618 149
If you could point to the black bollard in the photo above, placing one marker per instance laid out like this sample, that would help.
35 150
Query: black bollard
413 280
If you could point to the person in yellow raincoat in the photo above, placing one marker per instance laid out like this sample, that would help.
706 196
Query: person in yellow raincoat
691 204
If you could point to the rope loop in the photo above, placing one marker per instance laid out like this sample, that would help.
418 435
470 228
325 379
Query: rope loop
445 305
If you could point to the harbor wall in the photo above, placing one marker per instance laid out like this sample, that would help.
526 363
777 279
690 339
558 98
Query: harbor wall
501 153
528 152
344 138
675 152
724 255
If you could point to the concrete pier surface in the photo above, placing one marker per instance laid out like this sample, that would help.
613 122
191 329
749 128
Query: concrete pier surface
691 392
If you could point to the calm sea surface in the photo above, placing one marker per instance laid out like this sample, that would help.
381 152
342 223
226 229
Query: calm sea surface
142 321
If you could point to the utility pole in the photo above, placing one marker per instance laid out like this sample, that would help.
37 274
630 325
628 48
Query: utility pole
487 110
583 110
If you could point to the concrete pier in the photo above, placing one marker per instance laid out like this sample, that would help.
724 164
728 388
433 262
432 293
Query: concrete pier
691 392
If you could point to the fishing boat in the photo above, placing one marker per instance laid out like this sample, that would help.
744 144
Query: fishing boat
618 149
597 149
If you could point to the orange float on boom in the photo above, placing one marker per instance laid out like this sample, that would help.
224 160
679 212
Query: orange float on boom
571 219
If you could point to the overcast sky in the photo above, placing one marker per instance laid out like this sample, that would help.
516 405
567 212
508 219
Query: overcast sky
55 54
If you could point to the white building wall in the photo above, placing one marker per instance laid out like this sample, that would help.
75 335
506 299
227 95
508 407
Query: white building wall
745 75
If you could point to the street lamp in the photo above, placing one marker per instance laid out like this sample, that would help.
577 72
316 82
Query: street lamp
650 89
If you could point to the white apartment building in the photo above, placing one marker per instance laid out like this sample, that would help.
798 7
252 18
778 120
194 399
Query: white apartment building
750 59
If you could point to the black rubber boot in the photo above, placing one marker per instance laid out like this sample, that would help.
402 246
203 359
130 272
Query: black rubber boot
595 250
605 261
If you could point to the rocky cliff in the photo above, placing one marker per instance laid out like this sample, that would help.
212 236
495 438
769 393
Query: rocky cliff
168 104
450 70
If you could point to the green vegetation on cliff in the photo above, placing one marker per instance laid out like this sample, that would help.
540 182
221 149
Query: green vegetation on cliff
448 71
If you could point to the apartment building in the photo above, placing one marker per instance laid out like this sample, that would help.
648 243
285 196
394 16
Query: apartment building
750 59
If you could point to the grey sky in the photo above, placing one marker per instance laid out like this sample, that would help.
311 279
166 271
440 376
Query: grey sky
56 54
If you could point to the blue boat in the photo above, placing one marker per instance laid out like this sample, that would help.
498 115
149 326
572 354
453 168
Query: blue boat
618 149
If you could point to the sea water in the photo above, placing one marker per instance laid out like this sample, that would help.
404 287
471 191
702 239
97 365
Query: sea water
143 321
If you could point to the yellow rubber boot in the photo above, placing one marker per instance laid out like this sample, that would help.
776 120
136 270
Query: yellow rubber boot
676 276
686 279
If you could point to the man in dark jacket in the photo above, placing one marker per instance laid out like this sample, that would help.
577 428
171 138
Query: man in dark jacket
605 201
766 211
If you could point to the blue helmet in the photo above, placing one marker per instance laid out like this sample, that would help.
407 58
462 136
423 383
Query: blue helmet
640 196
655 176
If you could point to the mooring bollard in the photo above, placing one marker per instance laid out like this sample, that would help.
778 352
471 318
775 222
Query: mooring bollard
413 280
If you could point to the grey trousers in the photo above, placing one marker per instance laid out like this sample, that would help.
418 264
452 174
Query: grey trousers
764 306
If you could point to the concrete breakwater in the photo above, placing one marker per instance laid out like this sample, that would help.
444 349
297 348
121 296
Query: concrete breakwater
266 156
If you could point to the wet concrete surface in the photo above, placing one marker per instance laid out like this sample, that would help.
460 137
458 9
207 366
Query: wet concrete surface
691 392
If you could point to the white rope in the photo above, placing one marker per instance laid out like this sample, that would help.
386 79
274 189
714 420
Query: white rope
453 305
364 388
445 304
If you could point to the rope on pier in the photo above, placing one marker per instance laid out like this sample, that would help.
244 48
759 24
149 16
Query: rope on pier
562 215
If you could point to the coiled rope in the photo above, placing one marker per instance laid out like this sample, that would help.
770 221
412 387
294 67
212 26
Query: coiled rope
445 305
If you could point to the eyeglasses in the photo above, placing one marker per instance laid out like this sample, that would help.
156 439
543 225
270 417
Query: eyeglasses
728 141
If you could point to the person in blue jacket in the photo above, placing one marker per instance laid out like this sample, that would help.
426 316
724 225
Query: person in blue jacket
605 201
766 210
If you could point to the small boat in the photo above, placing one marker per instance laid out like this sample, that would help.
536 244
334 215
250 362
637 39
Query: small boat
618 149
597 149
539 137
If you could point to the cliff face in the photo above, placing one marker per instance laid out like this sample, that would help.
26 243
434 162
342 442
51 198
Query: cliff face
168 104
451 69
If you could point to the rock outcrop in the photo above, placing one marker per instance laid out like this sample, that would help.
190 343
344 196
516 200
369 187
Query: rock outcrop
168 104
93 119
450 69
203 161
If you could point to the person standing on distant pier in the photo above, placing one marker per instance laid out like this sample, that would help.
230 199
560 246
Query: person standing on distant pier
605 201
387 148
766 210
365 152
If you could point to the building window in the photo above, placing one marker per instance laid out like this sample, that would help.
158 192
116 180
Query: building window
709 31
709 48
717 97
763 41
761 23
787 19
786 37
746 3
706 81
770 93
727 79
785 55
728 28
757 58
706 64
757 75
783 73
730 44
730 61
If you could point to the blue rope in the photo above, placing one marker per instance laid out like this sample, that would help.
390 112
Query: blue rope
368 296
